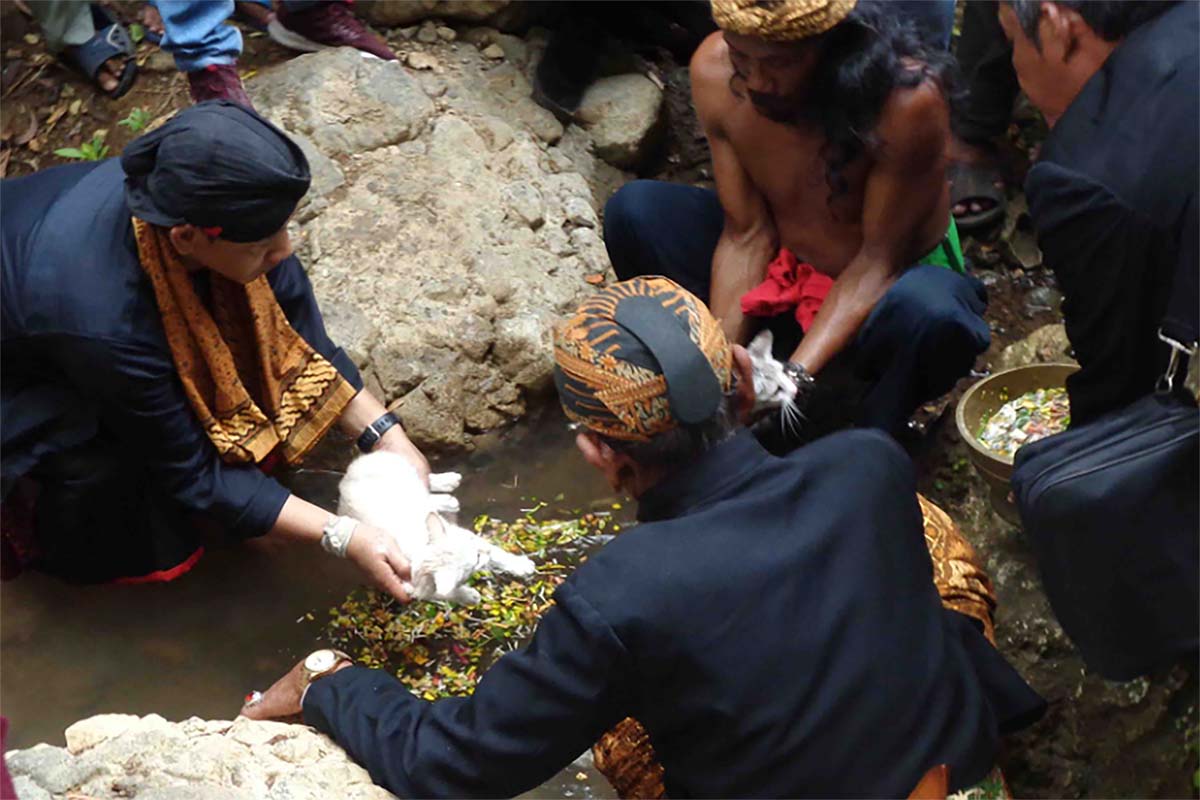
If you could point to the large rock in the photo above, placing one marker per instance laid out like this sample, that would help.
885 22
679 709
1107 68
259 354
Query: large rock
122 755
1046 345
343 102
406 12
624 115
456 237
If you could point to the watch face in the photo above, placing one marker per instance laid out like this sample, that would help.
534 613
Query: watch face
320 661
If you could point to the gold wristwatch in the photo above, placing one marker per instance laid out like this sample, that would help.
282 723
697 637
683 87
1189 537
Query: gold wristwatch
321 663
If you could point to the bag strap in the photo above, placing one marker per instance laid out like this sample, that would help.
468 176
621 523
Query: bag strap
1179 328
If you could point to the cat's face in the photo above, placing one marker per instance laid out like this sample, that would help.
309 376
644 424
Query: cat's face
772 386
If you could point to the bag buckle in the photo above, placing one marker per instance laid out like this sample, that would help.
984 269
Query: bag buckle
1166 381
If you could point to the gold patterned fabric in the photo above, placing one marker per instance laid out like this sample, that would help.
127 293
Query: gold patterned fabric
254 383
608 381
625 755
960 580
780 20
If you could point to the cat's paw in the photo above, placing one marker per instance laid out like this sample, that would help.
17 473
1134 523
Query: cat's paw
444 482
444 503
517 566
465 595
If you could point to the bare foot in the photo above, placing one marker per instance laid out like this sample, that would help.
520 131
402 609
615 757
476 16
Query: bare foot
151 20
109 75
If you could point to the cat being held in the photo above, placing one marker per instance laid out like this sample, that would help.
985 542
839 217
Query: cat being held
382 489
773 388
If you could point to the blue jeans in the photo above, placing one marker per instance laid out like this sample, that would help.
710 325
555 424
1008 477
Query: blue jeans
196 33
921 337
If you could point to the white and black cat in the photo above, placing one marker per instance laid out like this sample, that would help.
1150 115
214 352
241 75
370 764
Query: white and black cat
384 490
772 386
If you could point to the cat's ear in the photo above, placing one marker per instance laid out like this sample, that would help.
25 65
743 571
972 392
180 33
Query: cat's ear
760 345
434 527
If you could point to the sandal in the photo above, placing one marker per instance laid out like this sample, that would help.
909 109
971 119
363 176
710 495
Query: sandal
976 184
110 41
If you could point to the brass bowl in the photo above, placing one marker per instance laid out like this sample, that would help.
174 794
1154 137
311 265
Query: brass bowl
984 399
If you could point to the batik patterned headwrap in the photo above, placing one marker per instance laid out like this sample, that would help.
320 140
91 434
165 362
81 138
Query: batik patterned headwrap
609 381
780 20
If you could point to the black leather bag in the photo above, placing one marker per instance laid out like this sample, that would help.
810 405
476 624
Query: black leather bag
1113 510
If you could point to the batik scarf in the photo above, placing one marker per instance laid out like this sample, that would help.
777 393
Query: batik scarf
254 383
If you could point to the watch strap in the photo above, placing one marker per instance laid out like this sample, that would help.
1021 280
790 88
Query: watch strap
375 431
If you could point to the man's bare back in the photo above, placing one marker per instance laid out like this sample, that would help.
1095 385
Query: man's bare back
785 166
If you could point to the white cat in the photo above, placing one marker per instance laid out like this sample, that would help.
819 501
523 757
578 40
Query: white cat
772 386
382 489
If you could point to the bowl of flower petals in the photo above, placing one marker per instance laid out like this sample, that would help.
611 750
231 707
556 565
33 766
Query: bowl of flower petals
1004 412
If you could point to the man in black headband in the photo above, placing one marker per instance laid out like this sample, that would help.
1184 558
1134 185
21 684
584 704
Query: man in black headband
772 623
162 350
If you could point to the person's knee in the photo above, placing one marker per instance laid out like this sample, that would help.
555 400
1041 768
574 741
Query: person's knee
626 216
627 210
942 310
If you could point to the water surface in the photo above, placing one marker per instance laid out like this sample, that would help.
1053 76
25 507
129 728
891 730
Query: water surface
237 622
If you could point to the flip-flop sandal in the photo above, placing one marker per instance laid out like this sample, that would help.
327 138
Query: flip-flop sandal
111 40
976 183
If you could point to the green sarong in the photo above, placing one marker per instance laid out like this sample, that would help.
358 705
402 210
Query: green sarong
948 253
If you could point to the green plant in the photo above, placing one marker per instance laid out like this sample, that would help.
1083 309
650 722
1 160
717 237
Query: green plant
440 650
94 150
136 121
137 32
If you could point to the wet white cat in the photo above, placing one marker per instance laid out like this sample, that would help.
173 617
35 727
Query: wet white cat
772 386
383 489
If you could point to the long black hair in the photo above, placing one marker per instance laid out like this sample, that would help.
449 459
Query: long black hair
863 60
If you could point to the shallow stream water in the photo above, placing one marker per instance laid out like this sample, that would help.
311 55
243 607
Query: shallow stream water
237 622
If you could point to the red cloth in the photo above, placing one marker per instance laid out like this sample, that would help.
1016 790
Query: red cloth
7 792
789 285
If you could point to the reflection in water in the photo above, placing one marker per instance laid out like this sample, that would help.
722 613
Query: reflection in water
237 621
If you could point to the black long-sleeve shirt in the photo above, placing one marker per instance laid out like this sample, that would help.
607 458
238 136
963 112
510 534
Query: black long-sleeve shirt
83 347
1113 200
772 623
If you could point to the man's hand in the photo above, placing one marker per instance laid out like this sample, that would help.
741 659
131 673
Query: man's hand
396 441
282 701
376 553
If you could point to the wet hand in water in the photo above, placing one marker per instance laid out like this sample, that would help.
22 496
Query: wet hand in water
376 553
282 700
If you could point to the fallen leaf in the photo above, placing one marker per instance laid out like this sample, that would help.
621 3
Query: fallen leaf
76 105
35 145
101 134
31 38
29 133
4 156
56 115
595 279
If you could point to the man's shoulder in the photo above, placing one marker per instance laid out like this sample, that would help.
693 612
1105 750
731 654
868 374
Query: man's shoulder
914 119
1133 127
857 448
710 72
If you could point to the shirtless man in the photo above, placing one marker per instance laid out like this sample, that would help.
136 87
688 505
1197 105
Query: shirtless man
828 123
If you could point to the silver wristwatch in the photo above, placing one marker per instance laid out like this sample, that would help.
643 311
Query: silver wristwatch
336 535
